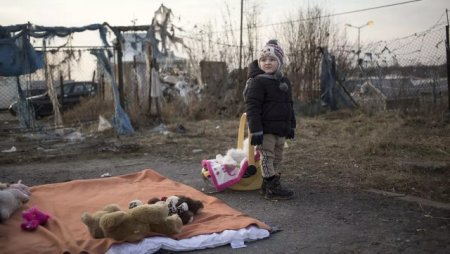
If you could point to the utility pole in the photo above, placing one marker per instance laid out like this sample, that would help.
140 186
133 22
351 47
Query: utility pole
240 47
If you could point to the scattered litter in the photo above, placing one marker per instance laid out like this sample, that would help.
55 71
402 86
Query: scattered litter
106 175
103 124
181 129
13 149
237 243
161 129
275 229
197 150
74 136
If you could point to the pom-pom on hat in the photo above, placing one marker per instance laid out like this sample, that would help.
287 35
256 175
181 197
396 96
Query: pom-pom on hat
272 49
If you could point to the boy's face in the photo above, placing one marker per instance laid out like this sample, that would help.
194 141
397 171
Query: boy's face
269 64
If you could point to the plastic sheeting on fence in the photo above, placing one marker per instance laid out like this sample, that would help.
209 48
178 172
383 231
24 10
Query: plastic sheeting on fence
331 95
50 32
24 111
121 122
18 57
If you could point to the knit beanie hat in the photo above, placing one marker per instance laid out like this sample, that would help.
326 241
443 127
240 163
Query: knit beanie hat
272 49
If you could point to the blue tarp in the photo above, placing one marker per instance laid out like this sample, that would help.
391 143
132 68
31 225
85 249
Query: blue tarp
18 57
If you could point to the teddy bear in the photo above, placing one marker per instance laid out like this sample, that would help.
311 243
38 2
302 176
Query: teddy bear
33 218
134 224
10 201
93 221
185 207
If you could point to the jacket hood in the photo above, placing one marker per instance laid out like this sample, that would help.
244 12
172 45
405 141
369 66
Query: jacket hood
254 70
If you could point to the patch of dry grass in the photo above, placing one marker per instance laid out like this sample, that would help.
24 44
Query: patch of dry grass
89 109
385 151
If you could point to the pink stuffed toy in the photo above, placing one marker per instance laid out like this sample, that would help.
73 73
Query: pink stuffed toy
33 218
20 186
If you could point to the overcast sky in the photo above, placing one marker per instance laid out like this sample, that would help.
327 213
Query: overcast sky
389 23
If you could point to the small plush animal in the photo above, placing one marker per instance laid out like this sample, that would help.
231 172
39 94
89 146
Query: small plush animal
185 207
4 186
20 186
234 156
33 218
10 201
135 203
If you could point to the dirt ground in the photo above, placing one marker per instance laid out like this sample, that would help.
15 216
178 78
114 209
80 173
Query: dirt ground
335 210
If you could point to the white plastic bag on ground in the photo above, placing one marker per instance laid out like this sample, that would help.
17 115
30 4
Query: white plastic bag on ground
103 124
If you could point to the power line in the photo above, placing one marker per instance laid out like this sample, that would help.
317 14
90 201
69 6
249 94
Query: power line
373 45
326 16
235 46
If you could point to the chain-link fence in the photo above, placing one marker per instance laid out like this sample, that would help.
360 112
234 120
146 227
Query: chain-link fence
38 79
407 74
71 71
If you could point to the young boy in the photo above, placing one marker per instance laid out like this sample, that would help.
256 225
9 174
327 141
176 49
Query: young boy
270 116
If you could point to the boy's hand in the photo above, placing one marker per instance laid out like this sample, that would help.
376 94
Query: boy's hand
291 134
257 138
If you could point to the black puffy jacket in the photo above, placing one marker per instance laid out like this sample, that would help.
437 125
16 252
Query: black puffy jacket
269 106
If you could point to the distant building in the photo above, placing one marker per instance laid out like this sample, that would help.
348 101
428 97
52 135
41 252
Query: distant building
135 47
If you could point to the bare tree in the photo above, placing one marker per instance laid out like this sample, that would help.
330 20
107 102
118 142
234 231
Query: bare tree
303 33
252 17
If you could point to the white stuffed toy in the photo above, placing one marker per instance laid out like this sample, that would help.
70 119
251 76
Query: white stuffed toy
234 156
10 201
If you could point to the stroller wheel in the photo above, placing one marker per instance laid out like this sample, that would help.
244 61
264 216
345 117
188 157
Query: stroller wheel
251 170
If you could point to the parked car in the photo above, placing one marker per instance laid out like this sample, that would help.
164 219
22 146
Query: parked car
73 91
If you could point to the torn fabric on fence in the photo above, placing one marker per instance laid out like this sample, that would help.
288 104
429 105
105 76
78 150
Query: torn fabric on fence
331 95
17 56
121 122
24 111
50 32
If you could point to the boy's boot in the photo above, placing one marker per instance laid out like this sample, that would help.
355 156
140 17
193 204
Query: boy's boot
262 190
274 190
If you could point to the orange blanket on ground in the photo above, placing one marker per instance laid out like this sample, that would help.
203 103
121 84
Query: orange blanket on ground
66 202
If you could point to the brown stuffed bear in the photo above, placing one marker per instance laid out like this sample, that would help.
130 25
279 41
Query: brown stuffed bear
185 207
92 222
134 224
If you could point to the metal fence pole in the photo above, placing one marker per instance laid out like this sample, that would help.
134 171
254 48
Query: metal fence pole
61 87
120 70
447 49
